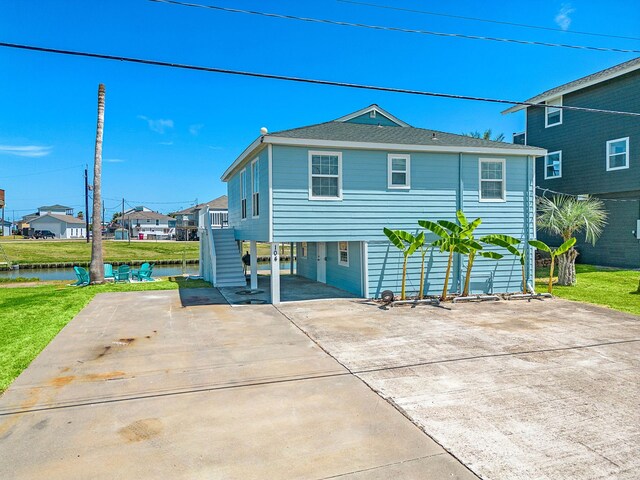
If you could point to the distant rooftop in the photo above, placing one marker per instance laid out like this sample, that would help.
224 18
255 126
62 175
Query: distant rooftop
57 206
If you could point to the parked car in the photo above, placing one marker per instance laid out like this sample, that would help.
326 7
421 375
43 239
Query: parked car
43 234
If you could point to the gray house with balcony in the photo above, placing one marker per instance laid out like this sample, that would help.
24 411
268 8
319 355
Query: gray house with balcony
593 153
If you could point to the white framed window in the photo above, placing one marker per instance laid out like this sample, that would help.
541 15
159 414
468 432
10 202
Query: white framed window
343 254
243 194
553 165
398 170
325 175
553 115
618 154
303 249
255 188
492 184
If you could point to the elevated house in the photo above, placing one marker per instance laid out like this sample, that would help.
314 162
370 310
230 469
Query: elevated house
330 188
593 153
189 220
145 224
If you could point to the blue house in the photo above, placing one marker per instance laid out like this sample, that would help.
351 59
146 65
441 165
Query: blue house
330 188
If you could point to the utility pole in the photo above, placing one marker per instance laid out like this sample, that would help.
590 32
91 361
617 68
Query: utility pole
122 219
86 200
103 218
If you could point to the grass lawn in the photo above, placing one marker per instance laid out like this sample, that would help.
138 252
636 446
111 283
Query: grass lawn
52 251
615 289
30 317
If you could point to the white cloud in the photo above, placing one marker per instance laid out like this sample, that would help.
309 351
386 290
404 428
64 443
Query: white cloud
32 151
160 125
562 19
195 129
166 143
114 160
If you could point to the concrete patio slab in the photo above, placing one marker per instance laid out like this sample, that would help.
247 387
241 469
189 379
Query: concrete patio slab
517 390
138 386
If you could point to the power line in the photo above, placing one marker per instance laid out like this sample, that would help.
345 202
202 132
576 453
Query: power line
394 29
42 172
308 80
487 20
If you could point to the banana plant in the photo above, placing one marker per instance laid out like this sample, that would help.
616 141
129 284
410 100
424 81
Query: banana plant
553 253
424 248
407 244
471 246
508 242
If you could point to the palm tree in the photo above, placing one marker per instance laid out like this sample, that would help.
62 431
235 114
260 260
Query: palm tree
96 268
553 254
407 244
566 216
486 135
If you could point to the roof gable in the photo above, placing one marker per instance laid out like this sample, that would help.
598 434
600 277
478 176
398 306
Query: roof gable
373 115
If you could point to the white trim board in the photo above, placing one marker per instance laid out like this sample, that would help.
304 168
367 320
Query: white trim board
374 108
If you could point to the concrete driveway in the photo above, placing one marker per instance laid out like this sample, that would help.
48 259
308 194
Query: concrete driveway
180 385
515 390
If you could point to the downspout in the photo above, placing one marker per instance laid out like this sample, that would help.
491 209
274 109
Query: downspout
527 223
270 195
460 206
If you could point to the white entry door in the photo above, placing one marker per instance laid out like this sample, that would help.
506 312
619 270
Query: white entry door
322 262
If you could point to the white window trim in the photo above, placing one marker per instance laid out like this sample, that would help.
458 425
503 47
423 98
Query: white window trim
340 262
626 140
243 183
504 180
546 177
335 154
390 158
552 101
253 215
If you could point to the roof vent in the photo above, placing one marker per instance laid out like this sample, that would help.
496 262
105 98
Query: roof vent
372 114
433 136
264 131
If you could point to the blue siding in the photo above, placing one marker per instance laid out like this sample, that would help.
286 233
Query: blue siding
250 228
307 267
379 120
347 278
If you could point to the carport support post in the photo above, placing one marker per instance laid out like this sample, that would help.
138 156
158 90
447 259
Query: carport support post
253 253
275 273
291 257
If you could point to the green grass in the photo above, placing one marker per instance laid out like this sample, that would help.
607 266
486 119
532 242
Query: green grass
30 317
612 288
19 280
50 251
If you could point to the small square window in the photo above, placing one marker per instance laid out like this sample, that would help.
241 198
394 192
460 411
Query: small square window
399 171
553 165
618 154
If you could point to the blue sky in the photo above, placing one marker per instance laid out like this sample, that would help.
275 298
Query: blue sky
169 134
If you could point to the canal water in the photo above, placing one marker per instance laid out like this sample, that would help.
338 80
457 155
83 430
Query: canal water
45 274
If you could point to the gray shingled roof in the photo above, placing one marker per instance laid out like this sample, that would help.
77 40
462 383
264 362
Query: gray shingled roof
356 132
602 74
57 206
220 203
63 218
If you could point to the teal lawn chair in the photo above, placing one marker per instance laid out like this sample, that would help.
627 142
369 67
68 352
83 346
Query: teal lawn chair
108 272
122 273
144 273
83 277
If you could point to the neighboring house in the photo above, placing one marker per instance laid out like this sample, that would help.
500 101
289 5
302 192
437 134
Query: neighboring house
146 224
62 226
55 209
593 153
332 187
188 220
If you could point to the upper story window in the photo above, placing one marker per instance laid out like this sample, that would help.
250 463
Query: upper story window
553 165
618 154
399 171
325 175
343 254
157 222
243 194
492 180
553 115
255 181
